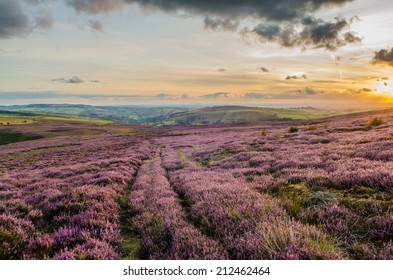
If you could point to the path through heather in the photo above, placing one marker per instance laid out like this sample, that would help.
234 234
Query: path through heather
161 221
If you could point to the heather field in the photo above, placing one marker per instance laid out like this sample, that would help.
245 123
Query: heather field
319 189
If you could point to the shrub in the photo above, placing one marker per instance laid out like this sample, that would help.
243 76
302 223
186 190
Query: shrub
375 122
293 129
263 133
312 127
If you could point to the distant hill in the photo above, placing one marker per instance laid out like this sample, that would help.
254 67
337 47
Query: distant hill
240 114
129 114
171 115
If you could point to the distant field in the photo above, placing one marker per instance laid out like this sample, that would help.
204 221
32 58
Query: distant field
8 120
13 120
8 137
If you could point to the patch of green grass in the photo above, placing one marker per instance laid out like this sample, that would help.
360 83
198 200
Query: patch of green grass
12 120
218 156
300 116
8 137
130 248
130 244
72 120
180 155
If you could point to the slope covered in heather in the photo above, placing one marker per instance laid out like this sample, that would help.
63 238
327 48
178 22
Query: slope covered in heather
319 189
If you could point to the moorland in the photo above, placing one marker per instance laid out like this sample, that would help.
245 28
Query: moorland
218 183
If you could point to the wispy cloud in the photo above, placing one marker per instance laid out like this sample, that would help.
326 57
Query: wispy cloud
215 95
96 25
44 20
296 77
263 69
72 80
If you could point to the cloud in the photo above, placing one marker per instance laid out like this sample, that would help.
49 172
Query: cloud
184 96
383 56
44 20
218 24
96 25
216 95
263 69
94 81
163 96
307 92
35 1
295 77
73 80
11 95
256 95
288 23
13 20
271 10
221 70
309 32
94 7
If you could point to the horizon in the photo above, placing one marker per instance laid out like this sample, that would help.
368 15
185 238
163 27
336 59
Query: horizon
324 54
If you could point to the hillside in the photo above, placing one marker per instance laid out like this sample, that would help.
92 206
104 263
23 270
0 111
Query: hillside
130 114
168 115
269 190
241 114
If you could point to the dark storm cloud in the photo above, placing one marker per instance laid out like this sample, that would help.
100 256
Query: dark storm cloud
294 77
215 95
268 9
288 23
383 57
285 17
314 33
73 80
13 20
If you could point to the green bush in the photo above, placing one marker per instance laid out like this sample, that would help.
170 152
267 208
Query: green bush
312 127
375 122
293 129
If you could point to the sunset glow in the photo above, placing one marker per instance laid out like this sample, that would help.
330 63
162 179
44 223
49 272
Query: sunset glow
127 52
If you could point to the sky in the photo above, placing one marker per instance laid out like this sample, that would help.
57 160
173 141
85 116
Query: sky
288 53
